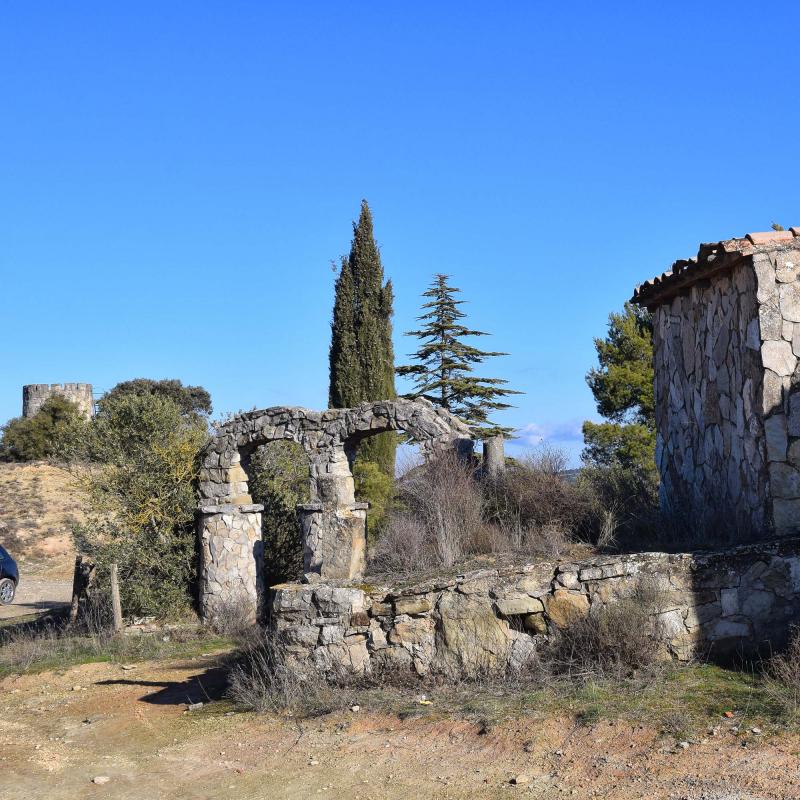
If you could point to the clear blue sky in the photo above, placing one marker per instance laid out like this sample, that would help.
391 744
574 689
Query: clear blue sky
175 178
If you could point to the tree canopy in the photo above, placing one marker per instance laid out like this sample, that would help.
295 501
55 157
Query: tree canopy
361 353
189 399
46 434
622 386
444 363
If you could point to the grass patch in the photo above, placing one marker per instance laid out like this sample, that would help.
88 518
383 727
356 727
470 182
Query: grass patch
33 649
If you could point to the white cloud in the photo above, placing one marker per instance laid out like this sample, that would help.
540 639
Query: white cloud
556 433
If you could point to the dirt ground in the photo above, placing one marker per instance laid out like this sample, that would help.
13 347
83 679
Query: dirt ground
60 731
37 595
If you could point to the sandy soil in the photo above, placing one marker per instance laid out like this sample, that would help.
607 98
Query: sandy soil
60 731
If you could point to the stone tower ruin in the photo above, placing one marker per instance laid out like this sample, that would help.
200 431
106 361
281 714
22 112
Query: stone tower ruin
35 394
726 342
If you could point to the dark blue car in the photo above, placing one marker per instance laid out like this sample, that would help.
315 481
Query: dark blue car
9 577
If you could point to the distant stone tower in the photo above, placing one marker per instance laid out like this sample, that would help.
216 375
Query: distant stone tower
35 394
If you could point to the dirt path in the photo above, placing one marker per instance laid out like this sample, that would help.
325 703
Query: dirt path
37 595
59 731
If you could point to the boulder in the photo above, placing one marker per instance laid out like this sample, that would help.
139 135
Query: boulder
470 639
565 607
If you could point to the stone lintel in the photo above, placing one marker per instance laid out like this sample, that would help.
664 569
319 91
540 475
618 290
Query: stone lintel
231 508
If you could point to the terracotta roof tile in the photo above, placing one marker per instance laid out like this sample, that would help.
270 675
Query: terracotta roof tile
711 258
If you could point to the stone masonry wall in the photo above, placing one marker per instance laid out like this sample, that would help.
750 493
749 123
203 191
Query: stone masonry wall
710 449
777 272
491 620
35 394
231 557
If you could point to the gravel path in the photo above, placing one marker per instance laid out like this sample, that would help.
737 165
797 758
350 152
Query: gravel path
36 595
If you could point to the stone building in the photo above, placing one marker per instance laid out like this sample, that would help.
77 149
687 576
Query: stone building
727 384
35 394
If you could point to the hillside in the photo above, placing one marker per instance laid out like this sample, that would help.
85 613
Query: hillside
37 508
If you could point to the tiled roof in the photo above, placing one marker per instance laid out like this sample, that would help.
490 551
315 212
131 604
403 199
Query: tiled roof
710 259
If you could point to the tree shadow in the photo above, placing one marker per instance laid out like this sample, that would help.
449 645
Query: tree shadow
202 688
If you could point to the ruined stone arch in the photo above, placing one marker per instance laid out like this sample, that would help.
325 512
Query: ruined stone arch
332 526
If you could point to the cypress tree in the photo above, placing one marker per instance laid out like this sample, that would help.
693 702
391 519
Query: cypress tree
443 372
361 352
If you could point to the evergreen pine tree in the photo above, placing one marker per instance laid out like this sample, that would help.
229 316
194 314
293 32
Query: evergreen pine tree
623 388
361 353
443 372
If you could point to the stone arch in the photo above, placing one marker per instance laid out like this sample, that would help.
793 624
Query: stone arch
332 525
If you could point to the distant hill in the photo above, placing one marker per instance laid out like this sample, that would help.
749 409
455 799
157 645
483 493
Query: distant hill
37 508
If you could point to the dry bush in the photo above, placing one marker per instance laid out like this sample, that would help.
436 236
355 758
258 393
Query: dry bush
538 508
234 617
615 641
263 679
783 677
436 519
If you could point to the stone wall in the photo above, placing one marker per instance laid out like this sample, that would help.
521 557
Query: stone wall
727 385
35 394
777 273
709 448
491 620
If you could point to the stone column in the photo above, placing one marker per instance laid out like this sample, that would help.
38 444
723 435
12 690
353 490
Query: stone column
231 561
494 457
334 539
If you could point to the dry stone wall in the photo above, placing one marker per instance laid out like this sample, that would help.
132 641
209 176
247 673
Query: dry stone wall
490 621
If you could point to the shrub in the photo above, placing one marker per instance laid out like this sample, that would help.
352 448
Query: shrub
279 481
138 477
537 507
263 679
50 432
783 678
437 519
613 641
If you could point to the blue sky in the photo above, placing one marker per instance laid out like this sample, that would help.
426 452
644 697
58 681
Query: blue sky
175 179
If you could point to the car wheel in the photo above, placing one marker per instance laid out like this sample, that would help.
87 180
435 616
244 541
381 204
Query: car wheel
7 589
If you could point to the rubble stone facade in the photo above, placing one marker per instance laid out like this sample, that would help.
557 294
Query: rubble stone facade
727 384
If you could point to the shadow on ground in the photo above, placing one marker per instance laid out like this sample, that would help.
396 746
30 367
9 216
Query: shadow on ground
203 688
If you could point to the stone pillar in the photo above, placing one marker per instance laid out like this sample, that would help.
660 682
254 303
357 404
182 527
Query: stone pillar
231 561
494 456
334 539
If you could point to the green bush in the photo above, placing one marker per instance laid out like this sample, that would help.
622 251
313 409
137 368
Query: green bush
375 487
279 480
50 432
138 471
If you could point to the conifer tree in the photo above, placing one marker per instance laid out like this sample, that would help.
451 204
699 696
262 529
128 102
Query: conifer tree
622 386
443 372
361 352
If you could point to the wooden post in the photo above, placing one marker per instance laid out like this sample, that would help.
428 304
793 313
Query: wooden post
82 580
77 583
116 606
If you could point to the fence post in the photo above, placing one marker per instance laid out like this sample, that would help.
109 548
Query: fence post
116 606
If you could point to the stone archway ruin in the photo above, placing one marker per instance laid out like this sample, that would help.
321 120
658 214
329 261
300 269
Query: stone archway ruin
333 524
